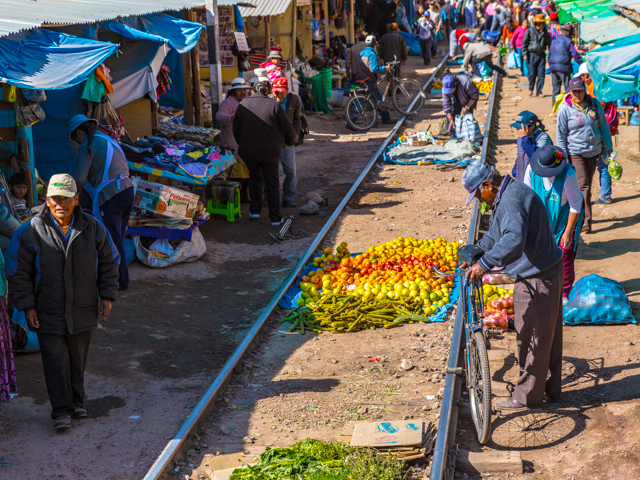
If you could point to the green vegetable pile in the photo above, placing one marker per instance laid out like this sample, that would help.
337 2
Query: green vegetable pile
317 460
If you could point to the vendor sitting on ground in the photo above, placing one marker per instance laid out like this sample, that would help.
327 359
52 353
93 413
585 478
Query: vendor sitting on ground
459 97
238 171
531 137
520 238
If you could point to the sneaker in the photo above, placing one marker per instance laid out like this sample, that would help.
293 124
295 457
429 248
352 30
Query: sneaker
123 287
79 412
288 203
279 222
603 201
62 423
254 216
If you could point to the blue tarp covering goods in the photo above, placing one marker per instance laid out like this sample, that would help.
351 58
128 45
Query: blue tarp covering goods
48 60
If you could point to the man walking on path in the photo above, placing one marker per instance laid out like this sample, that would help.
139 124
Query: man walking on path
261 128
393 47
353 57
534 46
62 270
561 52
520 238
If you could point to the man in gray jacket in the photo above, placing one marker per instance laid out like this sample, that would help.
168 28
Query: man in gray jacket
476 53
63 273
353 56
521 240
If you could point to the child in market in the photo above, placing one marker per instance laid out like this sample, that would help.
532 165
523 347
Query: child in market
19 187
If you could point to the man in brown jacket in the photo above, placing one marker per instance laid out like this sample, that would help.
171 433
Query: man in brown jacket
292 106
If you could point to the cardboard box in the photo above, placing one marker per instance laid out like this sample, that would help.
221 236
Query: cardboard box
222 466
164 200
388 434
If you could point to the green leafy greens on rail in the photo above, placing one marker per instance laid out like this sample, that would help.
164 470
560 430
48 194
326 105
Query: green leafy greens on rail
317 460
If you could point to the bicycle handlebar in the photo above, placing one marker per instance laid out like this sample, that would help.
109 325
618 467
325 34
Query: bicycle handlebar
458 274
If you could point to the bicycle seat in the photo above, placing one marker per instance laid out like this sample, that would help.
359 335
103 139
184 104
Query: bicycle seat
470 254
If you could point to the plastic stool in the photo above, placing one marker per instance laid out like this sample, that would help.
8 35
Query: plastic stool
231 209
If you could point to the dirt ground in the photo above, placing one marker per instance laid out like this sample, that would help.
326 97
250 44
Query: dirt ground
173 329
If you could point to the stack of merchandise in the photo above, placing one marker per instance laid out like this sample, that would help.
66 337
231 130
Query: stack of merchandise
417 139
174 127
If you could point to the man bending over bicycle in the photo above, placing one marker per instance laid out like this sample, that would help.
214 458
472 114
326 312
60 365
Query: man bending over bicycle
521 240
367 72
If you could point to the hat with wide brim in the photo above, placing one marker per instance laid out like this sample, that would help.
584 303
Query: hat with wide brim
274 54
548 161
540 18
237 84
78 120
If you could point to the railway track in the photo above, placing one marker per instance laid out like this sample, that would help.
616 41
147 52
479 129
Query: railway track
177 444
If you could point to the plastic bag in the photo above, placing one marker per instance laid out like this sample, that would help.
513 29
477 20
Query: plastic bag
161 248
615 170
467 127
443 127
513 60
497 279
495 320
596 300
185 252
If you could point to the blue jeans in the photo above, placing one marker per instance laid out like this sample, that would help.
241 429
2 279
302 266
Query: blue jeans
605 180
288 161
384 113
536 70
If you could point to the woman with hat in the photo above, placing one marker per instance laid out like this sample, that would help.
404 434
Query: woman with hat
554 180
554 25
272 65
583 132
534 46
531 137
235 94
103 176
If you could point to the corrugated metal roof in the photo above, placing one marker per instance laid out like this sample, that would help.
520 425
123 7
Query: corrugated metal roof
630 4
264 8
17 15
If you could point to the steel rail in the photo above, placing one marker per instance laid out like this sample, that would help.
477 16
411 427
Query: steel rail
441 467
171 449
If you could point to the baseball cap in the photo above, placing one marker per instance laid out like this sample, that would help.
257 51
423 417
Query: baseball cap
524 119
472 177
394 25
370 41
426 13
576 83
280 85
448 83
62 185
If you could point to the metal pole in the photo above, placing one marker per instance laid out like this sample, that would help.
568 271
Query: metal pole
170 450
213 47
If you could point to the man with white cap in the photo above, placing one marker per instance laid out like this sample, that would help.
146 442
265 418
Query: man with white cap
63 274
520 239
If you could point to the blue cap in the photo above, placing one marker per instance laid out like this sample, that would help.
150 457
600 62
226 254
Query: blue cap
472 177
447 84
78 120
524 119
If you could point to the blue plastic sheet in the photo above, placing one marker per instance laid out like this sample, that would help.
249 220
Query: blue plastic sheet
595 300
288 300
48 60
179 34
615 70
412 42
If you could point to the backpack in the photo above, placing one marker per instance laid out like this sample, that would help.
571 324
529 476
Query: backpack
303 131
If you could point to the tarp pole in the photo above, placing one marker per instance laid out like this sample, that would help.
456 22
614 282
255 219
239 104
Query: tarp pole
195 76
267 34
213 47
352 22
325 6
294 17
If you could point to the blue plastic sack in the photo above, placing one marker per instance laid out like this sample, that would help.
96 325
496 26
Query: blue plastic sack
413 43
485 71
33 345
596 300
491 35
513 60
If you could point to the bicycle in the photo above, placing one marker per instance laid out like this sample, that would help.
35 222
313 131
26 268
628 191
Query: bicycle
361 111
478 375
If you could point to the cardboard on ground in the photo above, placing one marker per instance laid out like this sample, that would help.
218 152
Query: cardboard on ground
395 433
222 466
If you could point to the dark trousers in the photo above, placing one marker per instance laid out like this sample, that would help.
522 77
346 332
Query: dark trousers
447 27
434 45
475 61
558 80
538 323
64 358
382 110
426 45
269 171
115 215
585 170
536 67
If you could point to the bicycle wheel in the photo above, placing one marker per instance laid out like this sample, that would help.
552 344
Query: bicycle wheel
404 92
361 113
480 388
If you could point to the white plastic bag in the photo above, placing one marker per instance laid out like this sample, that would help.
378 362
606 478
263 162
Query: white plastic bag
185 252
161 248
467 127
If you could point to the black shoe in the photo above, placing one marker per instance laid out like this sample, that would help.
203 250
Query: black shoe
80 412
553 399
123 287
289 203
63 422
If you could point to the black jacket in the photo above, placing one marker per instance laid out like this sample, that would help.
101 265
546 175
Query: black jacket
63 284
535 41
393 47
261 129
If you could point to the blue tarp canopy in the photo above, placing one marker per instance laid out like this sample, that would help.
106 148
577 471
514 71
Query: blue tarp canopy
48 60
615 70
177 33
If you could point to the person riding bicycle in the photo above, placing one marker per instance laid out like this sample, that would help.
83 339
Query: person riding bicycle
367 73
459 97
520 239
